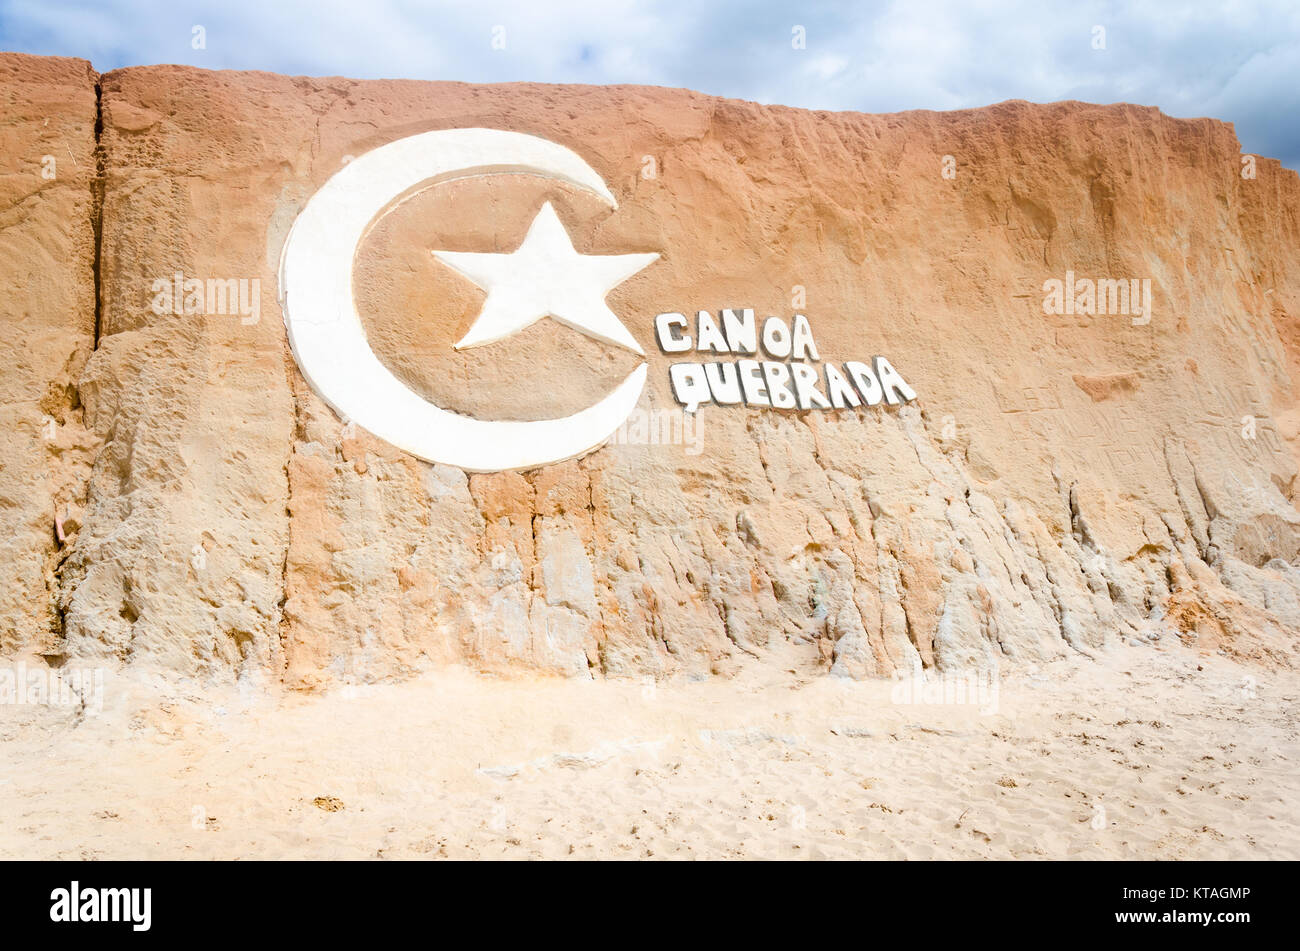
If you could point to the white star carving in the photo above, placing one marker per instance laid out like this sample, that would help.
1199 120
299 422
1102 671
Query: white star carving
545 276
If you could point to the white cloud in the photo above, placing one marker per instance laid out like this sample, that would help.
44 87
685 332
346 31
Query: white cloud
1240 64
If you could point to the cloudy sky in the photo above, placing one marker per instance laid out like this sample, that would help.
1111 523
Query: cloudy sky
1235 61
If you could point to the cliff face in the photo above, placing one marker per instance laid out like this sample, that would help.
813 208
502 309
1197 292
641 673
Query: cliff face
1063 478
48 202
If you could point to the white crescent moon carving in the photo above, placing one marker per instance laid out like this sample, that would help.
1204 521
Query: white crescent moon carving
329 341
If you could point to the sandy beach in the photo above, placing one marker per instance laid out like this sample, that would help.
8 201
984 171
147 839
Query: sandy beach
1152 752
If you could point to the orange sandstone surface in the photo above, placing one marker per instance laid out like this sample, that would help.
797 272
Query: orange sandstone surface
176 496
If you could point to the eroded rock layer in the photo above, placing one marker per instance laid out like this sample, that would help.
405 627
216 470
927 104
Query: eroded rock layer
1063 479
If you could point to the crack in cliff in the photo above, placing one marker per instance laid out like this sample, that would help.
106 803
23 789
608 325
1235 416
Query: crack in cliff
1185 504
599 664
58 621
296 435
97 189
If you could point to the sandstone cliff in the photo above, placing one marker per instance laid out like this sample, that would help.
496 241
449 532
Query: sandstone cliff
1061 481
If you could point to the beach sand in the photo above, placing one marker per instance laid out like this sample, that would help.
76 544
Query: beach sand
1152 752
